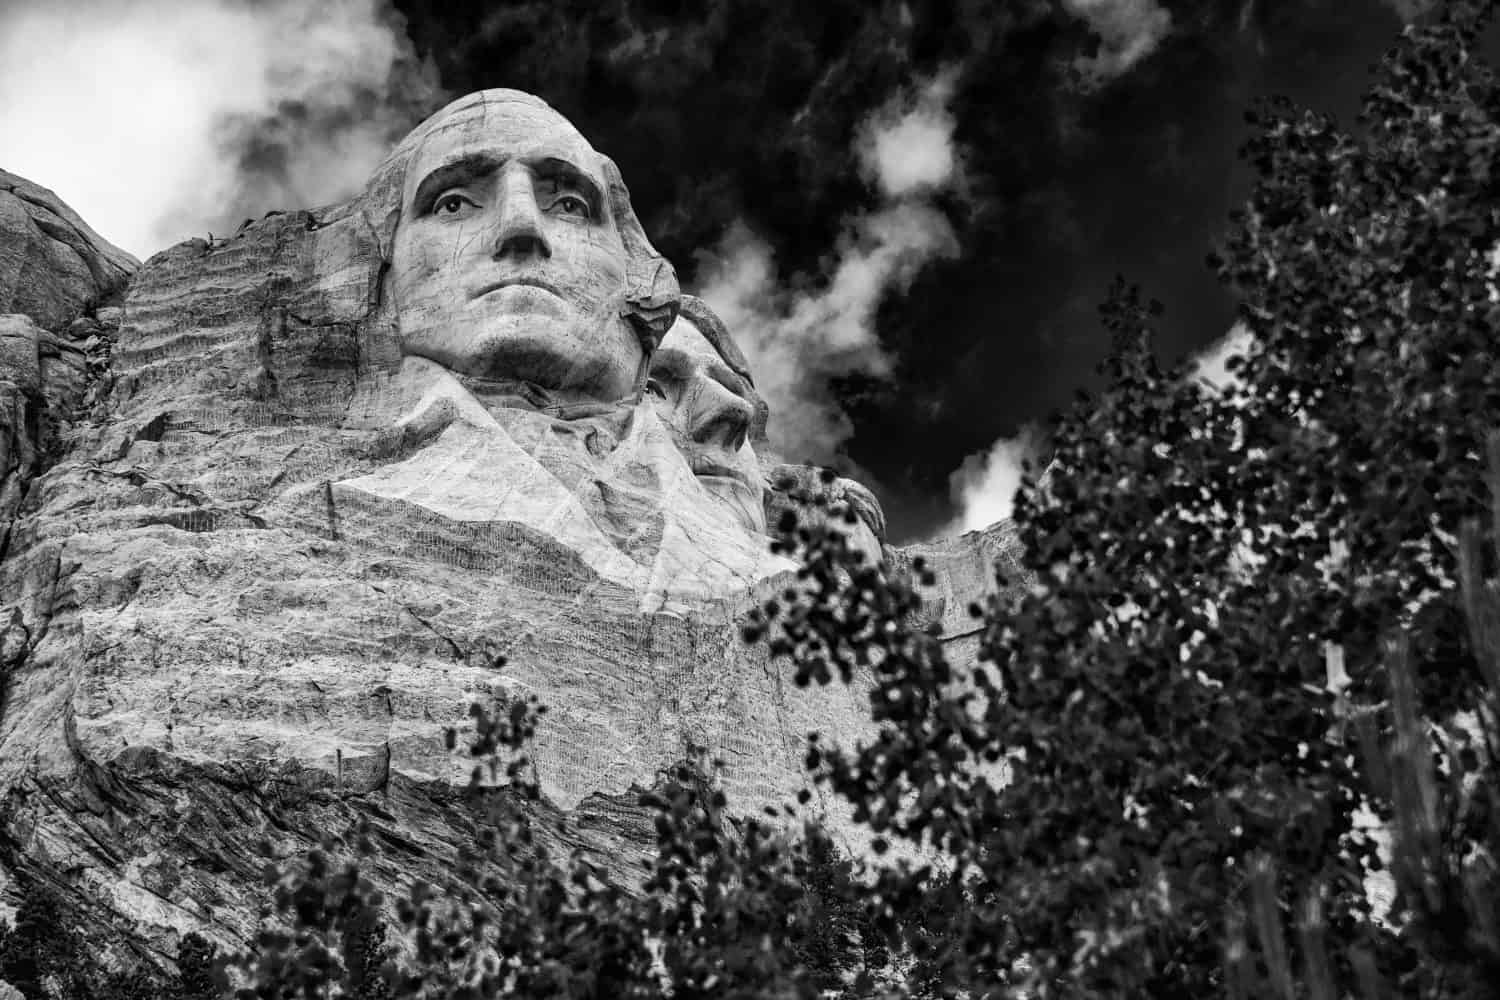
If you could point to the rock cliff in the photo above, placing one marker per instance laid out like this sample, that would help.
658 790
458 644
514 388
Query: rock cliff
258 554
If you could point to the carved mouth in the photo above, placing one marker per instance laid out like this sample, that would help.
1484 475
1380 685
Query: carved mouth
529 282
703 465
712 472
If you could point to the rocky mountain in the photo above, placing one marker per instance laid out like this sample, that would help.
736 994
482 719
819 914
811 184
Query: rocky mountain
259 553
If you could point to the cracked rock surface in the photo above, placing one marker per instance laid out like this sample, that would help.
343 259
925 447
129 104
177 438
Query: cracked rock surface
254 563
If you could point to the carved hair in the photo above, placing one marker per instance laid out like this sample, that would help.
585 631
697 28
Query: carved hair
651 291
708 323
697 312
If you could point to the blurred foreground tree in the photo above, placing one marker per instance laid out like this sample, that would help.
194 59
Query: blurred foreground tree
725 908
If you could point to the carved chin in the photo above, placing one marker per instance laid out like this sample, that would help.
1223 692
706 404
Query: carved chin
554 351
553 356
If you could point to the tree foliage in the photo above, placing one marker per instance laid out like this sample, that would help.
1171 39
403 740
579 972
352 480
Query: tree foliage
44 958
723 910
1212 574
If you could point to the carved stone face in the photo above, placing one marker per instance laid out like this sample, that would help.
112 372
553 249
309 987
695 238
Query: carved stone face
708 408
507 263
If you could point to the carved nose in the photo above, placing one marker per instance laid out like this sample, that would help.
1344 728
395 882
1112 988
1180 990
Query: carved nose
520 231
719 417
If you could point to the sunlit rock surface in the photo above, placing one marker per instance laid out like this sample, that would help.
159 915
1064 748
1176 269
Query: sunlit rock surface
258 556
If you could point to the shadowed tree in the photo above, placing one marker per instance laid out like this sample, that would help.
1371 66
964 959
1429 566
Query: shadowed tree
1212 575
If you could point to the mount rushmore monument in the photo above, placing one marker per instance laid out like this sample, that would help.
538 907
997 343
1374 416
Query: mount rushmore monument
278 508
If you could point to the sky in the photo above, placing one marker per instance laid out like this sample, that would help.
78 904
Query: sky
906 211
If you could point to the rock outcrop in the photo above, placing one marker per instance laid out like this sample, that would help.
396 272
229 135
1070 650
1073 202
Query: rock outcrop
59 281
53 267
261 550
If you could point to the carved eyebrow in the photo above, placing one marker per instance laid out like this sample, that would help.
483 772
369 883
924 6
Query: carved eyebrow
464 170
730 379
678 364
476 166
570 174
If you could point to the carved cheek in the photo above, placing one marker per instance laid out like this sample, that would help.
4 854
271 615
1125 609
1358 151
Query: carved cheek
606 256
404 260
427 259
415 261
690 407
592 268
666 412
610 253
449 244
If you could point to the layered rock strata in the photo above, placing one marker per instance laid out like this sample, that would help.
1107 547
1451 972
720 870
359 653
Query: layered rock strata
259 555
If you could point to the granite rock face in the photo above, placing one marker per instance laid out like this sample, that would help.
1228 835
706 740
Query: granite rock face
264 542
53 267
58 283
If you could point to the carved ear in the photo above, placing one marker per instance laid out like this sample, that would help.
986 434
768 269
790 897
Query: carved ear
652 295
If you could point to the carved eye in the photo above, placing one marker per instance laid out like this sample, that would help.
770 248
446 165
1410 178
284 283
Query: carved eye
570 204
654 386
451 204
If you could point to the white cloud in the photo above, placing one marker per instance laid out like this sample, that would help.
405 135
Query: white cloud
158 120
795 340
1128 30
1210 365
1410 10
907 146
984 486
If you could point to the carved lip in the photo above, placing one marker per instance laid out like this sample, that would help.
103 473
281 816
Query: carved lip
704 465
527 280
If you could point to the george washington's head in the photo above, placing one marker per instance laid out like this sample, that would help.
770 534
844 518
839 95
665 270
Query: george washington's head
514 254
